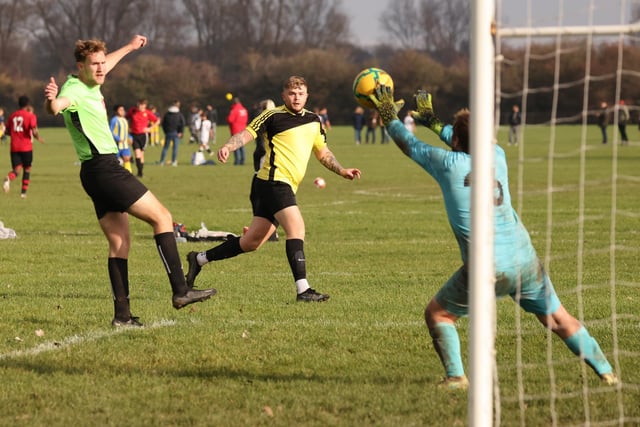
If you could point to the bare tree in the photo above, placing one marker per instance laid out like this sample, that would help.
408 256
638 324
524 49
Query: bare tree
212 24
401 21
320 23
62 22
240 26
445 28
273 23
13 31
438 27
167 26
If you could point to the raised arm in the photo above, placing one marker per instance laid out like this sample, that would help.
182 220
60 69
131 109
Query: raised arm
114 57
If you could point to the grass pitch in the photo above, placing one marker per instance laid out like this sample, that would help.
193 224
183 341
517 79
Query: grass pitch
251 356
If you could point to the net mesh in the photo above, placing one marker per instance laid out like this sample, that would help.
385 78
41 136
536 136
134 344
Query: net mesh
575 193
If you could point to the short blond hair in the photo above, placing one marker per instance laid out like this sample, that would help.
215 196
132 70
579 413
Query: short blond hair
294 82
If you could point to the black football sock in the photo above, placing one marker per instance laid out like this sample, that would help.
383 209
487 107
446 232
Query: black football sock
139 166
119 277
228 249
168 250
297 261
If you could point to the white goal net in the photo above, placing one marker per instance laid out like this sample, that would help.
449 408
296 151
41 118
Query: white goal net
573 70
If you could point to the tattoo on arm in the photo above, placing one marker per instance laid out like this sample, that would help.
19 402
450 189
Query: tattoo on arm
330 162
235 142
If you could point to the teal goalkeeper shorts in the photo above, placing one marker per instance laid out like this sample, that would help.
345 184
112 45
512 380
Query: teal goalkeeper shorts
536 294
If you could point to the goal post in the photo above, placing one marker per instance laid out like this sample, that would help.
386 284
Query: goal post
481 268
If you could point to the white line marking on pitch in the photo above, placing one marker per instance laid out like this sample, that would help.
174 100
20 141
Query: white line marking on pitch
79 339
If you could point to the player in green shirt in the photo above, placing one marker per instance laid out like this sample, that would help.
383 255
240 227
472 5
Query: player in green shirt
115 192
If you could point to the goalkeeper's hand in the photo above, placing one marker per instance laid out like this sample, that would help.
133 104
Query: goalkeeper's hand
382 99
424 114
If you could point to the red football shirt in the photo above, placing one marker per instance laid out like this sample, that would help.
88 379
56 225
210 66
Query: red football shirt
21 124
139 120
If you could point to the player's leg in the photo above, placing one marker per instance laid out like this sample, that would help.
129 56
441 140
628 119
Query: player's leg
16 167
450 303
539 297
263 199
174 153
149 209
126 161
139 163
579 341
290 218
165 148
27 160
115 226
258 232
139 141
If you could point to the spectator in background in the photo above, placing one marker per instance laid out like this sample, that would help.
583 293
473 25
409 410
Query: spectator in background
212 115
140 121
623 119
205 133
3 126
372 125
194 125
384 136
514 125
120 130
358 124
324 118
603 121
154 128
23 126
409 123
173 124
238 118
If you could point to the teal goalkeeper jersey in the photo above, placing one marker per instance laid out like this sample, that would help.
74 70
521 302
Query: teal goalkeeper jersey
452 172
86 119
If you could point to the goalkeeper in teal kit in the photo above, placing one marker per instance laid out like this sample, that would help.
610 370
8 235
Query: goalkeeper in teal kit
519 272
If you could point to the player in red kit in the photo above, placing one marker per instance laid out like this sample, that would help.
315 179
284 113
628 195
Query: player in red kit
22 127
140 119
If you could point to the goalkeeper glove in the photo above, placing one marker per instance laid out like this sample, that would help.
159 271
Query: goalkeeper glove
382 99
424 112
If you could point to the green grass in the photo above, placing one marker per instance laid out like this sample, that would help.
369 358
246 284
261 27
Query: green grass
251 356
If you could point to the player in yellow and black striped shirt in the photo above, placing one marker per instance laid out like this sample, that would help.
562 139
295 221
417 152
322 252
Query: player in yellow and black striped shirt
291 134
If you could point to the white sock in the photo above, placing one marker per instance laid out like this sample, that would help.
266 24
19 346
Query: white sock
202 258
302 285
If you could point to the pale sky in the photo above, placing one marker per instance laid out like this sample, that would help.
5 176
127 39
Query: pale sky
365 14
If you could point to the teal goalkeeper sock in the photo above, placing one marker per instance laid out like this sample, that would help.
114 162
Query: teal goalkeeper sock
585 346
447 344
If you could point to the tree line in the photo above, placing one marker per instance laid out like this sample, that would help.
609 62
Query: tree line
201 49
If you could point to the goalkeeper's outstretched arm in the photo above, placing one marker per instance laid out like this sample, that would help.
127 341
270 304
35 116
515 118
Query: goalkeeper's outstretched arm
424 113
388 109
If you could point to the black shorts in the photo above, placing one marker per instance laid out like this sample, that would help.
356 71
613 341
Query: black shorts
139 140
21 158
269 197
111 187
